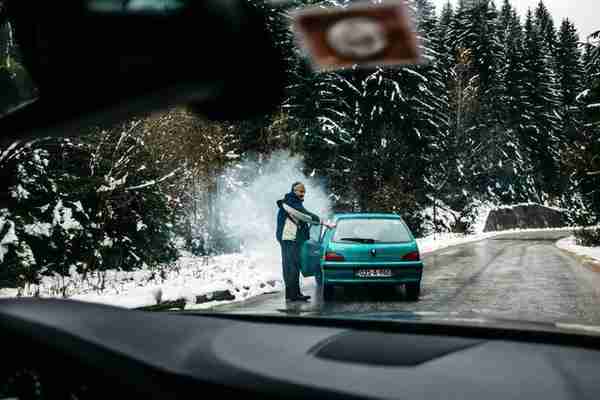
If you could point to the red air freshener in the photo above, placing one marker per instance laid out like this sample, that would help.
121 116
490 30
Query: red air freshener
364 35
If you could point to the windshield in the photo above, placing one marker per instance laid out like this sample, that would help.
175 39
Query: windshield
485 142
371 230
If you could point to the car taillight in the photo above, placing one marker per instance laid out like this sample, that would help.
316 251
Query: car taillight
412 256
331 256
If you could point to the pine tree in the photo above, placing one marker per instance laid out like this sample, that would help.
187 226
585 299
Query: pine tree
495 161
128 207
476 29
515 183
570 70
591 60
27 199
444 46
538 130
546 29
586 147
91 204
452 180
570 84
425 16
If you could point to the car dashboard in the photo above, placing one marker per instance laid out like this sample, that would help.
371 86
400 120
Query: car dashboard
69 349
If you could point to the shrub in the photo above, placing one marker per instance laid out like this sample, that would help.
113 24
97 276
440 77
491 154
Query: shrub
92 205
588 237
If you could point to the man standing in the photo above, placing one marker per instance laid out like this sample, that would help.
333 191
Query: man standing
293 228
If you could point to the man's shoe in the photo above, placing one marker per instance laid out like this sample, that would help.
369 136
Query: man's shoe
298 298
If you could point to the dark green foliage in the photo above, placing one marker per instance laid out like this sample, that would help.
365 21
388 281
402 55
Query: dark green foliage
588 237
569 66
79 206
583 159
129 209
538 131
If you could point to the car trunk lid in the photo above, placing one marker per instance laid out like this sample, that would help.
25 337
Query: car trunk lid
375 252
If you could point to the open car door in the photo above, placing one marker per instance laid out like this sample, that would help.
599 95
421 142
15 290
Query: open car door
310 253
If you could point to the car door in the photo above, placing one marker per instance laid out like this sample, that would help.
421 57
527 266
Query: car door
310 253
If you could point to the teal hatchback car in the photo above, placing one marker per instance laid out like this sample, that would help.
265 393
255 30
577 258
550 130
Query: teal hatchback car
363 249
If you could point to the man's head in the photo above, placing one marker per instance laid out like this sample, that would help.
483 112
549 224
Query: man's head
299 189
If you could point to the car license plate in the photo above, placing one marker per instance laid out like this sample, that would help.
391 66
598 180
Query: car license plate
374 273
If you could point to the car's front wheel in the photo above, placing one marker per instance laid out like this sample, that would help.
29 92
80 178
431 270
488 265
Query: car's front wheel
413 291
319 277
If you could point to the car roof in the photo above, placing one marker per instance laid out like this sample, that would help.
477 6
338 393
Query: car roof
366 216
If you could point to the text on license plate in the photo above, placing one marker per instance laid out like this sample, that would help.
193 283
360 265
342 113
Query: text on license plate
374 273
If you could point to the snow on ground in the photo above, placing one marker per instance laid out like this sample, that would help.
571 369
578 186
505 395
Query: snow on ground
429 244
243 276
511 206
568 244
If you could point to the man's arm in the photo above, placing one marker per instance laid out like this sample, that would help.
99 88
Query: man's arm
315 216
300 215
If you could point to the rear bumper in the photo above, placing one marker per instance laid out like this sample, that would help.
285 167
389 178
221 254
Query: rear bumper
345 273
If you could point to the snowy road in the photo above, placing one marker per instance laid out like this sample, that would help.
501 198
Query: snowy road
518 276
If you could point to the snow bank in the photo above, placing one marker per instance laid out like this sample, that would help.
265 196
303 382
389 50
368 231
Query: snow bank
545 205
430 243
241 275
8 292
568 244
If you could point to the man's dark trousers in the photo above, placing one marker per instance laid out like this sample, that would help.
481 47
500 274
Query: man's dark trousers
290 255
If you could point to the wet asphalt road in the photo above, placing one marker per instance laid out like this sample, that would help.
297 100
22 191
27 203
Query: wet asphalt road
518 276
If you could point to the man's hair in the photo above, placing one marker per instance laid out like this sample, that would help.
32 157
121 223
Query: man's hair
296 184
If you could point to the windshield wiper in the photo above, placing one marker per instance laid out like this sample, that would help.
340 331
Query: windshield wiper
359 240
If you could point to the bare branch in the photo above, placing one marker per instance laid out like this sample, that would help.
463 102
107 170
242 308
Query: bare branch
154 181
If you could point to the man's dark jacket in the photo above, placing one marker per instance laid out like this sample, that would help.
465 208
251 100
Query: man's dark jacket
292 200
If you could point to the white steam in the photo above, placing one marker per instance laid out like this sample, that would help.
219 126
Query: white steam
249 210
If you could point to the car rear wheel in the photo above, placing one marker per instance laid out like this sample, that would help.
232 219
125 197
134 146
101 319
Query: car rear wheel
328 292
413 290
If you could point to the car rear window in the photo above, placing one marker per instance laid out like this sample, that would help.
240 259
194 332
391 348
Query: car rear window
375 230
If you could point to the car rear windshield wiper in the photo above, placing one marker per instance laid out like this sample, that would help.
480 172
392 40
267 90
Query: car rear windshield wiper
359 240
